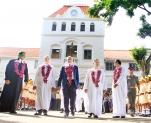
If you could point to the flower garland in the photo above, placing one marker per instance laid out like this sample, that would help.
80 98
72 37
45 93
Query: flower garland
47 72
17 71
116 74
97 79
68 71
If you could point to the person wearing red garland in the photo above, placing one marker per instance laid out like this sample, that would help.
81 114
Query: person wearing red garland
69 77
44 84
95 86
119 89
16 69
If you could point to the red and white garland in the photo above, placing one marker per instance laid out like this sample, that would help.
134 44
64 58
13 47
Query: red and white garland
69 71
116 74
45 75
97 79
17 71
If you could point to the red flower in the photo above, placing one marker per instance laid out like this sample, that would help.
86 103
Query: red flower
97 79
21 72
47 72
68 71
116 74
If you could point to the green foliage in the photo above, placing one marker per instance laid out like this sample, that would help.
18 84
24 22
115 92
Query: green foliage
138 54
145 30
107 9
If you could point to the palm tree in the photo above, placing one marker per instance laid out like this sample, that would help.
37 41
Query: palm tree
141 59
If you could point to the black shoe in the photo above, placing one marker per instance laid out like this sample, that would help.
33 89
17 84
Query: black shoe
116 116
90 115
37 113
13 112
95 116
122 116
61 111
45 112
72 113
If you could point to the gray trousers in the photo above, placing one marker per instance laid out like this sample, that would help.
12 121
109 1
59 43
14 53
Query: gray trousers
131 99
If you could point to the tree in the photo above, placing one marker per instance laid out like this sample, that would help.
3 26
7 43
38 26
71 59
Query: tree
111 7
142 59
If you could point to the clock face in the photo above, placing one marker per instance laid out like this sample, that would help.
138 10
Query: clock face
74 12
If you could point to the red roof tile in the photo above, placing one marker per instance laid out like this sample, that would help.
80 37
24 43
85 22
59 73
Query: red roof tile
62 10
11 51
117 54
34 52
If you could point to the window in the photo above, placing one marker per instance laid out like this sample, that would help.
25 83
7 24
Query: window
92 27
54 26
36 64
82 27
63 28
133 65
87 54
109 66
56 53
73 26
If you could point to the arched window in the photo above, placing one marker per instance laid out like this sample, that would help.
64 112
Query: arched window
63 27
92 27
73 26
54 26
82 26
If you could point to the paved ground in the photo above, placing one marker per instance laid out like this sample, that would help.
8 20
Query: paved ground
57 117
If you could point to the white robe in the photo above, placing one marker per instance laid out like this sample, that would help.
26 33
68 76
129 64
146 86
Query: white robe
86 101
43 91
79 99
119 95
62 99
95 94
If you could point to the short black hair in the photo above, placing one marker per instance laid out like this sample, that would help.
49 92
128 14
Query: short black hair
118 61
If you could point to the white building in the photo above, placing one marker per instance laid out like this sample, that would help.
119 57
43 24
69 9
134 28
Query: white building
69 31
71 25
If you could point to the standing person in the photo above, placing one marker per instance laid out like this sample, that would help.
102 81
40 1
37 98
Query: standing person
110 102
95 85
53 100
106 103
25 91
132 81
119 89
15 70
79 93
44 83
69 76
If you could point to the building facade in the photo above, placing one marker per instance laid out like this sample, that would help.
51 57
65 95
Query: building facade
70 32
32 56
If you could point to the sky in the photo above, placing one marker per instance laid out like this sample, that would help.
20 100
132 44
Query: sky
21 24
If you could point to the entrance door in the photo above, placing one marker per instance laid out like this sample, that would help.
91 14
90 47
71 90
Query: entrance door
71 51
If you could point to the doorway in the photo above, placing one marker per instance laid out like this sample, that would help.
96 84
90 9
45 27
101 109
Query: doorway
71 50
